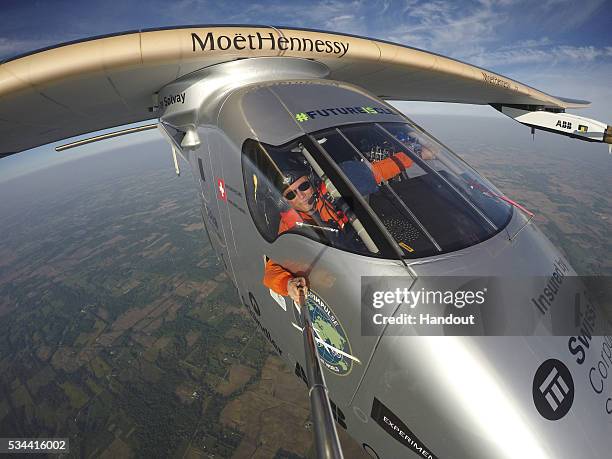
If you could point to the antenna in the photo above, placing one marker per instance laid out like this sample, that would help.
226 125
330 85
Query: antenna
173 144
176 166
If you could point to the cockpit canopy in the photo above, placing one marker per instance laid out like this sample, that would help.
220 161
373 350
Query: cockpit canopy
380 189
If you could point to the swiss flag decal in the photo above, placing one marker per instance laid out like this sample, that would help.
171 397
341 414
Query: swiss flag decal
221 192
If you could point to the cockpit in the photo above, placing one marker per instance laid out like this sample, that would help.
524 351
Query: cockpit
380 189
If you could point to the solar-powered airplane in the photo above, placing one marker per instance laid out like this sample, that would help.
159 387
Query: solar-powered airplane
317 195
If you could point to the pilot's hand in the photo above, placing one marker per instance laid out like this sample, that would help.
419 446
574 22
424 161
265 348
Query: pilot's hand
427 154
295 286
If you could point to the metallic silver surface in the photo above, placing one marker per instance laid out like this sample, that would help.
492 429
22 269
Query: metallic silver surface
203 92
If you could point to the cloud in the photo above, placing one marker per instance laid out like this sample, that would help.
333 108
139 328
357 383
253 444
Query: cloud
531 43
442 26
561 56
334 15
469 29
565 14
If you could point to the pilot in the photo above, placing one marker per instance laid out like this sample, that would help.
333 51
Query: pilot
307 204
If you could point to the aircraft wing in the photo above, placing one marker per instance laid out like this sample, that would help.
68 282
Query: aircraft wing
108 81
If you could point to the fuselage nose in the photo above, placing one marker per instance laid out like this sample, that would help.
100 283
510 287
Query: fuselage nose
501 391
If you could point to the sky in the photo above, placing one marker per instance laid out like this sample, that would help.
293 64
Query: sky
561 47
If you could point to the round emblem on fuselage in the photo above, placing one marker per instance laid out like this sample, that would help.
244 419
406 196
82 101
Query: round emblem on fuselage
553 389
328 329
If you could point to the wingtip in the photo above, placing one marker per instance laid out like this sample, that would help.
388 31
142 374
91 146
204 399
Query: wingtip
574 103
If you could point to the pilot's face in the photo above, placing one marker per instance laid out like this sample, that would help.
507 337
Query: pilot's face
299 195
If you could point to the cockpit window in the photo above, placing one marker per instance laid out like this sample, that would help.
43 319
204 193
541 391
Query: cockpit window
386 190
287 191
479 191
427 199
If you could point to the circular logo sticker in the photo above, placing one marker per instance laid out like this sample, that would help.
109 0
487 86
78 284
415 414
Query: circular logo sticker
328 329
553 390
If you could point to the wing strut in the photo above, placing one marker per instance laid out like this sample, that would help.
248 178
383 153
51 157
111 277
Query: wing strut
326 436
108 135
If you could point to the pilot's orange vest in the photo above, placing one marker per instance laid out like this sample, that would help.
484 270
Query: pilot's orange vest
275 276
326 211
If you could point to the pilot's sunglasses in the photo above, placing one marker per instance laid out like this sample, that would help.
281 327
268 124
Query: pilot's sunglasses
304 186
